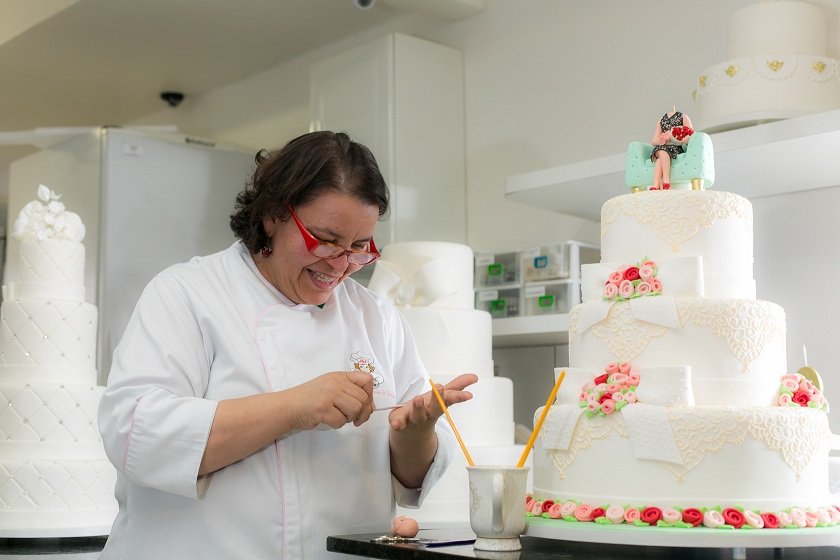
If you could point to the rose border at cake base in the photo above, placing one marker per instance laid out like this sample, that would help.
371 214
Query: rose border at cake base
697 537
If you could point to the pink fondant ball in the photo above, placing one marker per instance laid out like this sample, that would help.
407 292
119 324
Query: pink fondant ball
405 527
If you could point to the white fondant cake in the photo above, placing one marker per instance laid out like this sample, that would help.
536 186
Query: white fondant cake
431 283
777 68
678 397
55 479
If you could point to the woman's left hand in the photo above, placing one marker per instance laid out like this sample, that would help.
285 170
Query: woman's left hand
424 410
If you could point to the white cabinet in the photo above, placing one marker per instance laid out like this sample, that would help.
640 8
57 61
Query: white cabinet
403 97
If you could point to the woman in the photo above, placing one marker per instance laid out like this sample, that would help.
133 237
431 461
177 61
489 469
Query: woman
241 407
664 147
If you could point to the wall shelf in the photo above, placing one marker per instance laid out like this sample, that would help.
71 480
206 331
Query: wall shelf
532 330
780 157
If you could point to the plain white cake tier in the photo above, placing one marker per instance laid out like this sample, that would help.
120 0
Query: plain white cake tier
777 27
768 458
52 268
750 90
426 274
661 225
735 348
49 333
486 419
452 341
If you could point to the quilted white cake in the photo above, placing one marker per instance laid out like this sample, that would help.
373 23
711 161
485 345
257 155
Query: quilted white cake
55 479
431 283
678 409
777 68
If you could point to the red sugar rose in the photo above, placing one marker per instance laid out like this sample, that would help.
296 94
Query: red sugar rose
770 520
601 378
651 515
604 397
631 273
547 505
598 512
733 517
692 516
801 398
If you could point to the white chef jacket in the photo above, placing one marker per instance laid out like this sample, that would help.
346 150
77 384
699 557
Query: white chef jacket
214 329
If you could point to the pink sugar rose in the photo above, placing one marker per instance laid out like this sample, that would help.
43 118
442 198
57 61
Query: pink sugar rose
583 512
615 278
633 378
554 511
801 398
613 387
808 387
615 514
797 516
610 291
811 519
611 368
643 288
648 262
785 400
713 519
601 387
784 519
631 515
593 406
630 397
528 501
568 508
790 385
824 516
608 406
753 519
646 272
656 284
536 507
670 515
619 378
582 396
625 289
625 367
795 376
618 397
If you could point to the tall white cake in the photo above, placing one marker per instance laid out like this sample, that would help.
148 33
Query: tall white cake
55 479
777 68
431 283
678 398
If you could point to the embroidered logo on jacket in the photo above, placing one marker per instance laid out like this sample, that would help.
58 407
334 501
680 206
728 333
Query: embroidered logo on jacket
364 362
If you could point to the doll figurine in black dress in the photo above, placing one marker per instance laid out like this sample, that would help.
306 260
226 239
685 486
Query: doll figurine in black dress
667 146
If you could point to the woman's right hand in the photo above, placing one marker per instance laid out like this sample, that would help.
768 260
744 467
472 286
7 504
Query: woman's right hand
334 399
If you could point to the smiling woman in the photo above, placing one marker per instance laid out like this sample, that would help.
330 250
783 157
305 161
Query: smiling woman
219 416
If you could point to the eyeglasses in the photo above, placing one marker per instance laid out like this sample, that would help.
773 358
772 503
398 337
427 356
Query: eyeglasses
327 250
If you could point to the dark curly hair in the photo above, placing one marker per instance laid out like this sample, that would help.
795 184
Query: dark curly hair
299 172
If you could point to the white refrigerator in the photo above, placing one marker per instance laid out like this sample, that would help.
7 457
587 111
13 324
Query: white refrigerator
148 200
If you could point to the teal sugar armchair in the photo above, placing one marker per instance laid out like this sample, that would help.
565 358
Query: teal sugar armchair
693 169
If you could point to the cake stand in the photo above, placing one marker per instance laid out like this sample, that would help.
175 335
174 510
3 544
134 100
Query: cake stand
698 537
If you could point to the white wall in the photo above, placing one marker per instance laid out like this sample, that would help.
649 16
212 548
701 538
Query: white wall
550 82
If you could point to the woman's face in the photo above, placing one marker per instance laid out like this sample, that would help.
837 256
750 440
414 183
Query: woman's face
333 216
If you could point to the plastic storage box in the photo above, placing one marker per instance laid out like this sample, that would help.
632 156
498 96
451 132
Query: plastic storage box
496 269
553 262
548 297
500 303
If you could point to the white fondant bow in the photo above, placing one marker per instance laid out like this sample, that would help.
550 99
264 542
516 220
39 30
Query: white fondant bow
659 310
430 282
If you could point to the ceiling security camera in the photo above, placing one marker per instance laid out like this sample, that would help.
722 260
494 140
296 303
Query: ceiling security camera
364 4
172 98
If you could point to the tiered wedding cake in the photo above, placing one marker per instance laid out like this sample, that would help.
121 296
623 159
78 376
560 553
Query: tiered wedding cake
777 68
677 409
55 479
431 283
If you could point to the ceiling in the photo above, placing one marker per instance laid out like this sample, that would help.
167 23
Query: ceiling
98 62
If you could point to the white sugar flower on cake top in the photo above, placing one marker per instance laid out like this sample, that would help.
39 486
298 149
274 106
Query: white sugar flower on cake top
47 219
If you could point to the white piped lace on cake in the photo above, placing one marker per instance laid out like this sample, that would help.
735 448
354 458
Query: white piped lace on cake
676 217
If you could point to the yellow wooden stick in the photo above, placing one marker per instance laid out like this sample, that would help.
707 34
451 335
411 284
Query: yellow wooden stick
541 419
451 423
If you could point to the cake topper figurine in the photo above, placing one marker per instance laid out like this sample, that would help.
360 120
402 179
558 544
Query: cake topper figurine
672 130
